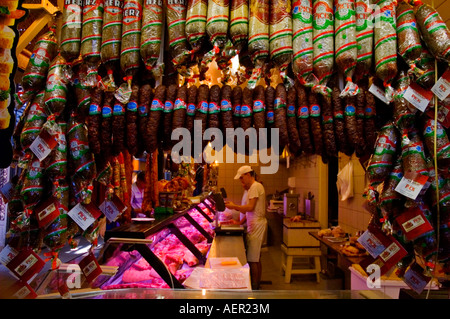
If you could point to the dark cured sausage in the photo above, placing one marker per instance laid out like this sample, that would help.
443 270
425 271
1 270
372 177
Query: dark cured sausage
236 101
131 121
303 120
294 139
191 107
106 124
95 114
329 138
145 96
280 115
156 110
314 120
226 108
171 95
339 123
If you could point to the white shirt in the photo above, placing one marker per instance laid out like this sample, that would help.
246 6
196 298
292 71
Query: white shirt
137 196
256 190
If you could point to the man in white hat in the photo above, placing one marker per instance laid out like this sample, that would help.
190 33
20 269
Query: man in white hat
254 208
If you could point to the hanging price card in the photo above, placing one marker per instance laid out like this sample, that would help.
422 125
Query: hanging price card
379 93
442 87
90 267
411 184
25 265
7 254
84 215
413 223
43 145
112 208
415 278
47 212
418 96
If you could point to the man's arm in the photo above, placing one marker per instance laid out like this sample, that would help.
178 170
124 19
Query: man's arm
243 208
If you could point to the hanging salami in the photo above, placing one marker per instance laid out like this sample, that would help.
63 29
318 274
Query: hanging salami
56 87
118 127
291 112
154 118
71 29
239 23
236 101
191 107
329 139
364 38
131 117
303 120
258 109
106 124
171 95
226 108
280 121
176 22
33 122
94 120
151 32
339 123
179 111
196 23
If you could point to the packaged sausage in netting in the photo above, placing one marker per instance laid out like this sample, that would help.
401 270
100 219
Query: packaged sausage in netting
392 202
291 113
442 144
34 121
238 29
303 120
433 30
56 87
91 38
35 75
131 117
426 62
346 45
302 42
280 38
323 44
33 184
94 120
111 38
385 37
151 33
56 162
145 98
72 18
364 38
258 38
403 117
196 23
154 118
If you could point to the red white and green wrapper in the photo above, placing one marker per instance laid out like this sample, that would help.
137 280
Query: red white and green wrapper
151 32
239 23
196 22
33 184
280 37
364 38
131 37
302 41
71 29
323 44
391 201
91 32
385 37
258 38
56 162
176 26
345 42
442 144
56 89
34 121
413 154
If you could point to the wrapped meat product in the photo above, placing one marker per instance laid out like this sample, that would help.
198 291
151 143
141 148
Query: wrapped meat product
106 124
131 41
258 109
302 44
35 75
56 162
323 44
426 63
315 123
95 116
339 123
179 111
370 129
329 139
118 127
71 29
226 108
201 113
214 107
33 184
359 113
440 191
291 112
111 36
239 24
280 121
154 118
246 109
258 37
82 92
196 23
403 117
364 38
151 32
131 117
433 29
345 42
80 157
171 95
35 119
303 120
391 201
384 155
191 106
385 37
236 101
442 142
409 46
280 37
350 122
56 87
270 99
91 35
176 21
413 155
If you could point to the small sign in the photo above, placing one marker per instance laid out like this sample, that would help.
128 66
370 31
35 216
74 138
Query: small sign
379 93
371 243
418 96
411 184
7 254
43 145
90 267
84 215
415 278
413 223
442 87
47 212
25 264
112 208
22 290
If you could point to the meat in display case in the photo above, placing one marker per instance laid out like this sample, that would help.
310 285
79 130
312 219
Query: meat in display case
162 253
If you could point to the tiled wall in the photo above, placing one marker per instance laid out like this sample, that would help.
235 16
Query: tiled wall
352 216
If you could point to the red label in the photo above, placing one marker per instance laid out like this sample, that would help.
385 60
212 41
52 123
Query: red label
90 267
25 265
90 5
413 223
47 211
132 12
114 7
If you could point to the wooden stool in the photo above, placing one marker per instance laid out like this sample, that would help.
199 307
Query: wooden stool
288 258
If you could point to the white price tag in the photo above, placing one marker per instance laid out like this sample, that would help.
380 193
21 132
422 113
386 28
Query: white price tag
109 210
7 254
418 96
379 93
411 188
81 216
43 145
442 87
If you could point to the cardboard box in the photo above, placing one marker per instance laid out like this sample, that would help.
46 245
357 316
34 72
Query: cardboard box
296 234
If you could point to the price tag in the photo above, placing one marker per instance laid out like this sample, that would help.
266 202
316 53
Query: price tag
22 290
442 87
371 243
411 184
83 215
90 267
379 93
7 254
413 223
112 208
25 265
418 96
7 191
43 145
415 278
47 212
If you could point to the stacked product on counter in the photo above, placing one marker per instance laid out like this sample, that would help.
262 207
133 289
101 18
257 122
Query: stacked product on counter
102 96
